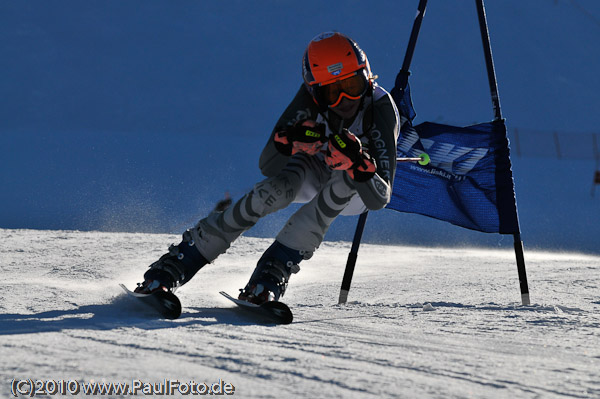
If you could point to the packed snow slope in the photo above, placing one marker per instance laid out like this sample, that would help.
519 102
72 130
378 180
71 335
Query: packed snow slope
420 323
139 115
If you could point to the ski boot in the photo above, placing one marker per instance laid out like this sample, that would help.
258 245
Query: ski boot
173 269
183 261
270 278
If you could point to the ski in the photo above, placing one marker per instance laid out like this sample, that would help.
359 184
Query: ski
275 311
164 302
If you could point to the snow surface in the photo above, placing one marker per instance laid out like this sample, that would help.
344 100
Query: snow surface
421 322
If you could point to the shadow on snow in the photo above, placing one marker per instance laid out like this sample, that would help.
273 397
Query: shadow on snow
121 312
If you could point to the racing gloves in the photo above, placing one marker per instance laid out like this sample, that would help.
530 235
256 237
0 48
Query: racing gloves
344 150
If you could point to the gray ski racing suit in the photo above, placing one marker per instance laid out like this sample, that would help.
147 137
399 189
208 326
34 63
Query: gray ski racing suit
307 179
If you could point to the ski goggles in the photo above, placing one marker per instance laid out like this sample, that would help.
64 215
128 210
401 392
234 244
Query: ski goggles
352 88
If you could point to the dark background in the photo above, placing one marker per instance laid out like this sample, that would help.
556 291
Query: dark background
140 115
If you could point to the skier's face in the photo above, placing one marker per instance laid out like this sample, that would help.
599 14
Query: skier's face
347 108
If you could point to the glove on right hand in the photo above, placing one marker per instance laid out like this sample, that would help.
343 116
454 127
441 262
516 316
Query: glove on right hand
345 152
304 136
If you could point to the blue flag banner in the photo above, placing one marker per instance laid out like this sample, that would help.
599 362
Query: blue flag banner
468 181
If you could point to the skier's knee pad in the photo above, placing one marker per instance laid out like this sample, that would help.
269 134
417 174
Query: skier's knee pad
273 194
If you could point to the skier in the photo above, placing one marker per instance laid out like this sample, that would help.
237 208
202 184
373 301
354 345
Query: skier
333 148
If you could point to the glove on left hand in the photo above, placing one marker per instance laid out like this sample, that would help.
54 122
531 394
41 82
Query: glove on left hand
344 152
304 136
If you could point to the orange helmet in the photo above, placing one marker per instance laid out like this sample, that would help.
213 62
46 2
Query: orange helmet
332 57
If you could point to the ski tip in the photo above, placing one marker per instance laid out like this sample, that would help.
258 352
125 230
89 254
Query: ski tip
275 311
165 303
281 312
